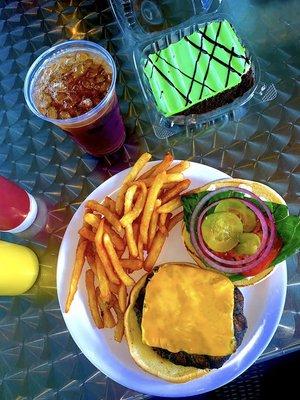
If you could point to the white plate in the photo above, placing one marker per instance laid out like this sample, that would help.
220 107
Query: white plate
264 304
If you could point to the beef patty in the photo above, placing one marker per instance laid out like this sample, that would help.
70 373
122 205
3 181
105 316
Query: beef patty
196 360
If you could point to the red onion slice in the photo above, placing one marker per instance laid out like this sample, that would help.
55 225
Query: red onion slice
211 262
246 260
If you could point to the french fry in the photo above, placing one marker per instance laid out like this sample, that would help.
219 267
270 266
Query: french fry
110 204
132 240
164 226
118 242
140 246
131 265
169 185
87 233
136 228
119 253
158 168
114 299
122 298
102 280
126 279
92 219
168 219
129 195
153 223
129 233
162 223
170 206
180 167
140 163
131 243
163 229
92 300
111 217
103 255
176 177
143 212
77 268
119 330
113 288
90 257
170 178
133 212
163 218
84 224
155 250
176 190
108 319
174 220
150 204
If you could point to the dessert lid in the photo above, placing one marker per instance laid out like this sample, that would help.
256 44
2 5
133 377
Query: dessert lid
142 19
150 26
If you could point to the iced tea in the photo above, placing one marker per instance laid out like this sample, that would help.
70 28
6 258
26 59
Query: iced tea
75 89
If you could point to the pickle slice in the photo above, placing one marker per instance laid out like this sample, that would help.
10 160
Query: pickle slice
248 244
221 231
241 210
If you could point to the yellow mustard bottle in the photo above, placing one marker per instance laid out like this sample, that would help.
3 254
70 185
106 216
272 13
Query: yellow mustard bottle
19 268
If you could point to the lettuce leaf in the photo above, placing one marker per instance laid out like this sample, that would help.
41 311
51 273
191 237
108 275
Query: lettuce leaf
287 226
288 229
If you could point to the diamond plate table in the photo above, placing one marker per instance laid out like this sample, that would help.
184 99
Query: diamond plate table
38 358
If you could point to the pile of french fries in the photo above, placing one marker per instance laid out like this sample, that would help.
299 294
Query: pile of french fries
121 236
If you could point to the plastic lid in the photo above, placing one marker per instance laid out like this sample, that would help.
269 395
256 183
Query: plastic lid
144 18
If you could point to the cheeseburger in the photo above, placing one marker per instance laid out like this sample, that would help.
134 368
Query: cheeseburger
183 321
239 228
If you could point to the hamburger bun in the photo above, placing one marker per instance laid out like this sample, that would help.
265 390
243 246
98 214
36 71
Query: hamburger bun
150 360
261 190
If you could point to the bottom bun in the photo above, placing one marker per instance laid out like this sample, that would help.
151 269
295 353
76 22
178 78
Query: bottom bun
145 356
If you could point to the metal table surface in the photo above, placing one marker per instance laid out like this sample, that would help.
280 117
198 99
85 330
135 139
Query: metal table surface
38 358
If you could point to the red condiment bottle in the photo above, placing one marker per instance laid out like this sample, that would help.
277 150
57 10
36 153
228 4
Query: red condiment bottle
18 209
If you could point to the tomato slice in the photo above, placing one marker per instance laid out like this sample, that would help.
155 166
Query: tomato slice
233 256
268 260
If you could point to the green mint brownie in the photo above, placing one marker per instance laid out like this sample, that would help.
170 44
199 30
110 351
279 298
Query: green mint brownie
200 72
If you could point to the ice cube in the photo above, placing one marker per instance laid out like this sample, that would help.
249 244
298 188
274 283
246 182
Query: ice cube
51 112
86 103
64 115
81 56
45 101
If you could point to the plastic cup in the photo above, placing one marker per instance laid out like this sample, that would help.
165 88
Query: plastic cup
100 130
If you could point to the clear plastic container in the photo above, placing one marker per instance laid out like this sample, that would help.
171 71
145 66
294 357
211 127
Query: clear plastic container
100 130
151 25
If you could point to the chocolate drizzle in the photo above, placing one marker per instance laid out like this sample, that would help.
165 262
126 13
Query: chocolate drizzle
228 71
245 63
210 57
157 57
195 70
221 46
213 57
183 73
169 81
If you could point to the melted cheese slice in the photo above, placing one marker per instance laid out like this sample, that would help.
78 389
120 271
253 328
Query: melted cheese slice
189 309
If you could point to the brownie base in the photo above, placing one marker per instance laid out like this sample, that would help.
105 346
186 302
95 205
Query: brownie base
226 97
